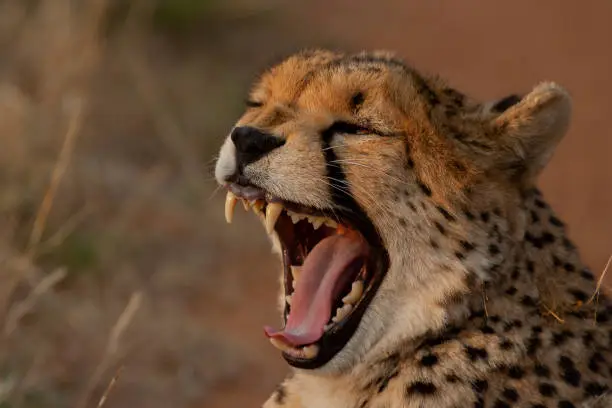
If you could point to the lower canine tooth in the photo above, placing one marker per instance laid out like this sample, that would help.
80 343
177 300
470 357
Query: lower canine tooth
295 272
230 204
282 346
341 313
273 211
356 292
288 299
310 351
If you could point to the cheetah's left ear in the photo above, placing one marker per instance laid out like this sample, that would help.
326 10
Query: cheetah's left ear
529 129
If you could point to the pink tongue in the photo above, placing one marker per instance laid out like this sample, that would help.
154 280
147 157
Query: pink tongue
311 304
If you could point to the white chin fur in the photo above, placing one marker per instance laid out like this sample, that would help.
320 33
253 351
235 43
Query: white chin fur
226 164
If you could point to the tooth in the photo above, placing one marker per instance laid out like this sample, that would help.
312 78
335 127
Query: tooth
273 211
230 204
281 345
317 222
341 313
328 326
245 204
295 272
331 223
295 218
355 294
288 299
311 351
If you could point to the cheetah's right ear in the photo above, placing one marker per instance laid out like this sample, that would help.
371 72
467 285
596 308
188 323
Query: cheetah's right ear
528 129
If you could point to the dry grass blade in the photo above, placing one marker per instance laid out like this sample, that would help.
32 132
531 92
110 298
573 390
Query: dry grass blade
600 281
63 232
61 165
553 314
112 346
109 388
15 314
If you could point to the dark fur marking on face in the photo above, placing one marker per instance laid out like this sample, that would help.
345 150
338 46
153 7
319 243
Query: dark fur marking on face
445 213
516 372
421 387
280 395
547 390
357 100
593 389
541 370
476 353
510 394
424 188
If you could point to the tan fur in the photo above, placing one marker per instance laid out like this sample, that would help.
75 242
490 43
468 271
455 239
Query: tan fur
481 268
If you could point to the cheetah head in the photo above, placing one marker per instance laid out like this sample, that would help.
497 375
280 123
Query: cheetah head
362 172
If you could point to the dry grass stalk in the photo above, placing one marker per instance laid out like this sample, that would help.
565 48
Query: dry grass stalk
109 388
112 346
600 281
16 312
61 165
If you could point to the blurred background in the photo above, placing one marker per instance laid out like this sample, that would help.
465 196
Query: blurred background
120 284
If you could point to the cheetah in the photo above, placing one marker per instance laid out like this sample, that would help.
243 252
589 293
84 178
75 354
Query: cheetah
421 266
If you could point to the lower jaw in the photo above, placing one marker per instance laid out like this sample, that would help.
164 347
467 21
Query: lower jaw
333 341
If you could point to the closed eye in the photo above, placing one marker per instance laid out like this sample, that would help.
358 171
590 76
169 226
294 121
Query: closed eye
350 128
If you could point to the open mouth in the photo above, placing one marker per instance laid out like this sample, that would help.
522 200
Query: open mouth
333 263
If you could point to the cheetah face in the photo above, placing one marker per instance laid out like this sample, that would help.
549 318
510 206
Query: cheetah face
327 144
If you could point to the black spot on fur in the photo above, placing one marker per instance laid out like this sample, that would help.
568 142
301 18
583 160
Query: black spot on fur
479 403
528 301
534 217
594 361
429 360
547 390
445 213
569 267
487 329
424 188
579 295
511 291
440 228
533 344
542 371
593 389
480 386
510 394
421 387
530 266
459 255
476 353
469 215
565 404
516 372
569 373
485 216
538 406
555 221
501 404
410 163
586 274
452 378
561 337
493 249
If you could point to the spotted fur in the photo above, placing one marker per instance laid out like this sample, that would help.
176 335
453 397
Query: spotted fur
486 302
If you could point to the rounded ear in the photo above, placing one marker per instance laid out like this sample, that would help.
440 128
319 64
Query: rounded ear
529 129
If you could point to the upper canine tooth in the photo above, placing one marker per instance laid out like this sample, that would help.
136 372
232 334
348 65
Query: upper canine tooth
331 223
356 292
230 204
273 211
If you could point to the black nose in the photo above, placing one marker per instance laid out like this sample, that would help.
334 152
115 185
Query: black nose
252 144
